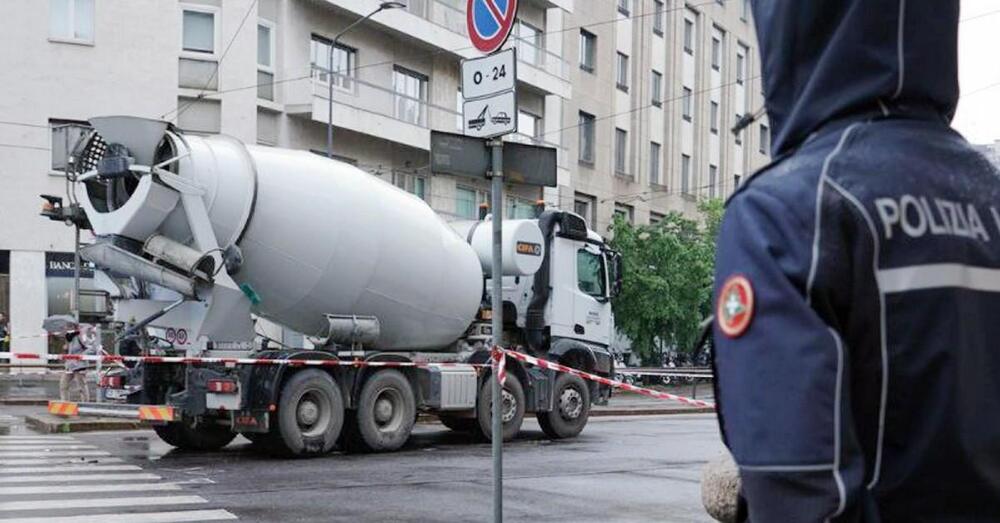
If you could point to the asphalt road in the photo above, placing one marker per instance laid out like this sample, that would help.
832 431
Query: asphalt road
643 468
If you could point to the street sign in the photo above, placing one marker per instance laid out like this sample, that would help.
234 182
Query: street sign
489 22
491 116
469 157
489 75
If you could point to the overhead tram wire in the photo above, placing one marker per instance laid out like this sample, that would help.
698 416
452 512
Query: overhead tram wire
215 71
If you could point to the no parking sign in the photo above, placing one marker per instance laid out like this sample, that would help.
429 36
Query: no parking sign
490 22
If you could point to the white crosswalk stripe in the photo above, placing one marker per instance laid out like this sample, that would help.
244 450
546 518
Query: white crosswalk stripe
60 478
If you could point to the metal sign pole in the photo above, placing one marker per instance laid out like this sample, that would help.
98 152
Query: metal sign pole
496 147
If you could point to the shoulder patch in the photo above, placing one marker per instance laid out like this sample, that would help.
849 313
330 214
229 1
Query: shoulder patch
735 307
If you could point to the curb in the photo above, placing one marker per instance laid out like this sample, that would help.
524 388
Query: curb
59 426
597 413
24 401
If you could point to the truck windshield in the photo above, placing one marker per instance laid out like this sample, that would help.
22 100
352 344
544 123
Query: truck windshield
590 273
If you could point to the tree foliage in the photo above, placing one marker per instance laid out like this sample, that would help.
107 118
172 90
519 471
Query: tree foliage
667 280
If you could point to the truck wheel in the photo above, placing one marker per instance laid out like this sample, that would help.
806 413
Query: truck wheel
186 435
571 410
458 424
512 408
386 413
310 415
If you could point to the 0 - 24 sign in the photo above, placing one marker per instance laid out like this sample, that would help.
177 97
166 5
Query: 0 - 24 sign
489 75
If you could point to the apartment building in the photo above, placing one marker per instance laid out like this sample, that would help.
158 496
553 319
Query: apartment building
657 86
636 96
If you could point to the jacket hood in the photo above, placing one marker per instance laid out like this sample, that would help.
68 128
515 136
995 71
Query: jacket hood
829 59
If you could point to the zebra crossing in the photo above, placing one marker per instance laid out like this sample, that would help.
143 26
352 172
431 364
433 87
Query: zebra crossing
46 478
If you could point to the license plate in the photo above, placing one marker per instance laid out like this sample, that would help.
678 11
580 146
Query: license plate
116 394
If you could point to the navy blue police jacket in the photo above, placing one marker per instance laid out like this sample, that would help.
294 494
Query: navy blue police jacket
858 277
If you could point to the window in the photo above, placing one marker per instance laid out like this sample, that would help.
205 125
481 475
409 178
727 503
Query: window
468 201
519 209
584 206
621 144
199 31
344 65
625 212
622 76
741 66
590 273
656 217
736 181
687 104
265 60
714 117
654 163
411 183
656 86
65 135
716 53
658 17
586 129
528 124
623 7
411 94
765 139
688 36
745 12
713 173
528 41
738 137
71 20
588 50
685 174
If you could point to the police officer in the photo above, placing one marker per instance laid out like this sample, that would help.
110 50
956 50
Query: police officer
858 277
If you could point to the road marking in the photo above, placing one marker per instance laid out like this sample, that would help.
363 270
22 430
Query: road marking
58 461
54 453
79 489
143 517
46 446
67 468
77 477
48 504
38 439
33 436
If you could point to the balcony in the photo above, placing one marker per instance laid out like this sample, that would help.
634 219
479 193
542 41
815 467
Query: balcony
370 109
425 19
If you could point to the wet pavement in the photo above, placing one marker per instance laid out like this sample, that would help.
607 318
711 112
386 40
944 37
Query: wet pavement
620 469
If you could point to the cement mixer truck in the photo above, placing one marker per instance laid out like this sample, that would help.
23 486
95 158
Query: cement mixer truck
205 237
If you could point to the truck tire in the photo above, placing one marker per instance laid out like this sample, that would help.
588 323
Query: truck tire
185 435
385 416
309 418
512 410
571 408
459 424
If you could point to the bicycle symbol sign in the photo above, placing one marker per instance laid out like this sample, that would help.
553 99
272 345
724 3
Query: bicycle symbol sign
490 22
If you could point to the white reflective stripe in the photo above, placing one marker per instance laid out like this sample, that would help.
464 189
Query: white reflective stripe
79 489
139 501
65 478
67 468
139 517
938 275
53 453
56 446
57 461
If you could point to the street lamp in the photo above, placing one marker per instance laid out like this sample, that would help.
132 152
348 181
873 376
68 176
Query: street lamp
333 44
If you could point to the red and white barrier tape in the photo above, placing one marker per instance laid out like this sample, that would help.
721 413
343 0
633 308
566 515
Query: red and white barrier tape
545 364
497 355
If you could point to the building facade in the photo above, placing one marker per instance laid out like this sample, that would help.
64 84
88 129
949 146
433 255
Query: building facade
636 96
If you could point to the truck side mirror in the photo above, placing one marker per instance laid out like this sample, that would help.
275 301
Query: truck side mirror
615 272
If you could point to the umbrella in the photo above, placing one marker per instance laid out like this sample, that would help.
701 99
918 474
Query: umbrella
59 323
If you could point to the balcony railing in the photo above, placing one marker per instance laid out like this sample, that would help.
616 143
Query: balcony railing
359 94
450 15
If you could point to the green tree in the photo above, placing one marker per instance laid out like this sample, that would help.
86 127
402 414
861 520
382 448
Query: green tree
667 280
